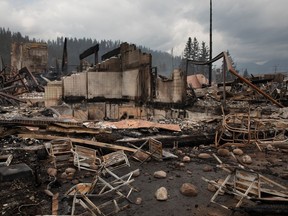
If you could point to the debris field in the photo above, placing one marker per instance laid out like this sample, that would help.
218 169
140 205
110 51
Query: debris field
119 139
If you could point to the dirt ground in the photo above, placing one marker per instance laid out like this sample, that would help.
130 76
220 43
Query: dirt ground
32 195
27 196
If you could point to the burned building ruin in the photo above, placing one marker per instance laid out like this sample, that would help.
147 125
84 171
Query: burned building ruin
123 84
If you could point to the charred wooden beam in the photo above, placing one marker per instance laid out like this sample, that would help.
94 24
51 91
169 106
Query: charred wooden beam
37 122
65 58
76 130
11 97
80 141
111 54
88 52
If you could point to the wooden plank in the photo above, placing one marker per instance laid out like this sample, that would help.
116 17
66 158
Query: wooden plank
155 148
55 204
82 141
138 123
78 130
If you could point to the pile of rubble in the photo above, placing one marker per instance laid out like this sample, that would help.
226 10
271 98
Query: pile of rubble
70 161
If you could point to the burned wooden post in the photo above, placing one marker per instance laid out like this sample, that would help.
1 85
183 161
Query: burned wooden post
92 50
64 67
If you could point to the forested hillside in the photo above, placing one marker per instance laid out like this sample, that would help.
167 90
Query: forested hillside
162 60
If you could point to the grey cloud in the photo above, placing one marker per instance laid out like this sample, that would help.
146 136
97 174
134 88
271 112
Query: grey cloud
251 30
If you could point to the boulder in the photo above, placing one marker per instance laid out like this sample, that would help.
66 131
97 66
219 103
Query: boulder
238 151
160 174
246 159
204 156
186 159
52 171
211 187
207 168
138 201
70 170
136 173
223 152
189 189
161 194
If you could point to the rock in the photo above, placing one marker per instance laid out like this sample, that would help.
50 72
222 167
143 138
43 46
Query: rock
269 147
138 201
204 156
70 170
186 159
189 189
64 175
30 142
223 152
189 172
71 174
160 174
211 187
52 171
207 168
246 159
220 182
181 165
136 173
237 151
161 194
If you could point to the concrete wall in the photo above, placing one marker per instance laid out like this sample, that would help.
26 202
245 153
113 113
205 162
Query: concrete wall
53 93
75 85
164 90
130 83
104 84
34 56
179 88
132 57
171 90
121 77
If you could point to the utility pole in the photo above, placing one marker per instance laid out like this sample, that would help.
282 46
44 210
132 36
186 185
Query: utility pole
275 68
210 48
172 59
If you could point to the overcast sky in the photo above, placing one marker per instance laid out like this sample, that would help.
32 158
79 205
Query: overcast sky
252 30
